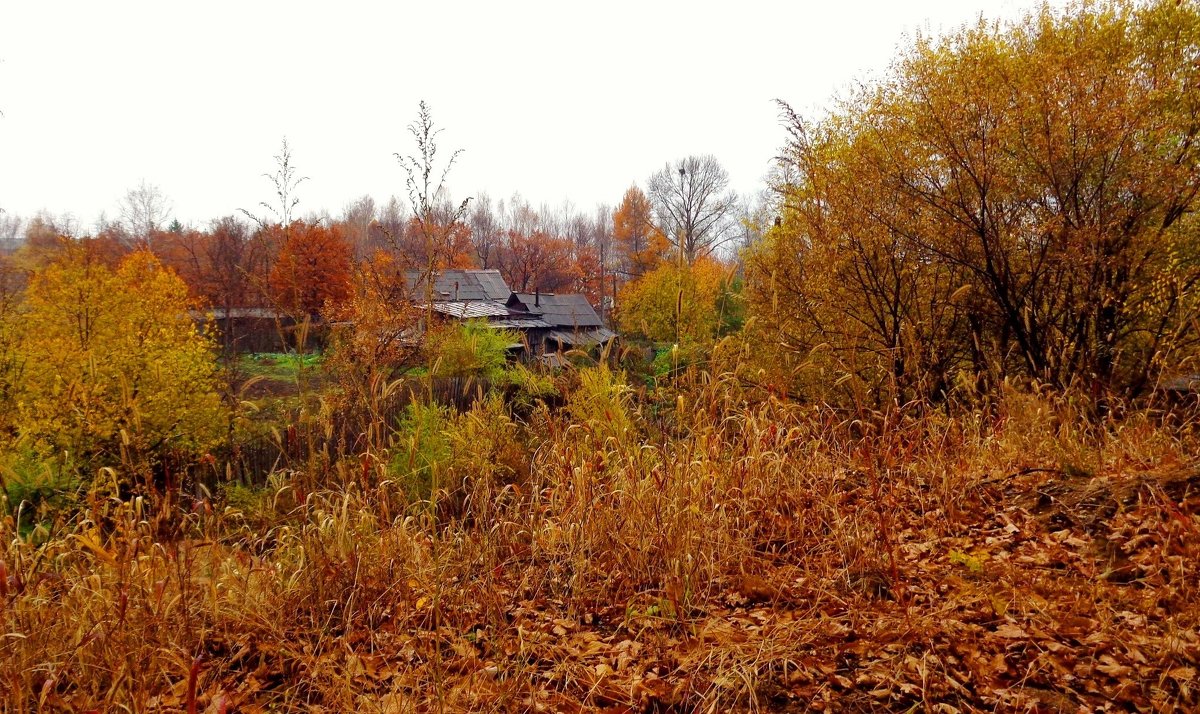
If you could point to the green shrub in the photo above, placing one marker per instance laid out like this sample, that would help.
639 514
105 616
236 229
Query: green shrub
422 449
525 388
35 487
445 456
671 361
487 451
470 349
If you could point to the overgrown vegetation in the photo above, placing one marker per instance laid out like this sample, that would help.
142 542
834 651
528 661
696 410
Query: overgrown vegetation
111 369
864 489
682 304
470 349
705 546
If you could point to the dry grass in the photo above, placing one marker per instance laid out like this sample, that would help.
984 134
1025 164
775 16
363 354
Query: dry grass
708 549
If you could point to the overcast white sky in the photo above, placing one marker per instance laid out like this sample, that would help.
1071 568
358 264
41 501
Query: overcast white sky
558 100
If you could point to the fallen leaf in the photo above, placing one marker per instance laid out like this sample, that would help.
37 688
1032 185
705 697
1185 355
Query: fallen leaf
1011 632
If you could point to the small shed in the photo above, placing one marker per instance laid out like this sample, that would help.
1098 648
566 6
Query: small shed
549 323
572 322
260 329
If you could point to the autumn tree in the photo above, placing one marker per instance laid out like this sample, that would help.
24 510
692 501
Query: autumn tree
377 334
1009 202
587 268
485 231
558 249
356 222
312 268
693 205
12 286
228 260
144 211
640 246
377 328
390 226
224 267
587 238
10 232
682 304
372 342
519 216
536 261
45 237
756 215
113 367
452 249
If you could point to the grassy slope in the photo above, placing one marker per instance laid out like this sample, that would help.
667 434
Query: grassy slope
724 556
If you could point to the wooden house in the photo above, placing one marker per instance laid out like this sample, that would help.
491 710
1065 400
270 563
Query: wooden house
548 323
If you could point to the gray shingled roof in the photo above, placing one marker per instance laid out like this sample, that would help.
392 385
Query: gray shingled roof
460 285
562 311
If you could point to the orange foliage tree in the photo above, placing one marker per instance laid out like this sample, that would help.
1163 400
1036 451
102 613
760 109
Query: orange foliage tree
537 261
375 336
312 268
224 267
452 247
586 272
639 245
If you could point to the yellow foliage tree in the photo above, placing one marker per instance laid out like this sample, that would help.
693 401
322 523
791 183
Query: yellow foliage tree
675 303
10 291
113 367
1010 202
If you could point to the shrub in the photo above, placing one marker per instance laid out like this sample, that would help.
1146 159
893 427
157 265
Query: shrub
525 389
1009 202
421 450
115 370
602 402
672 304
35 488
469 349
